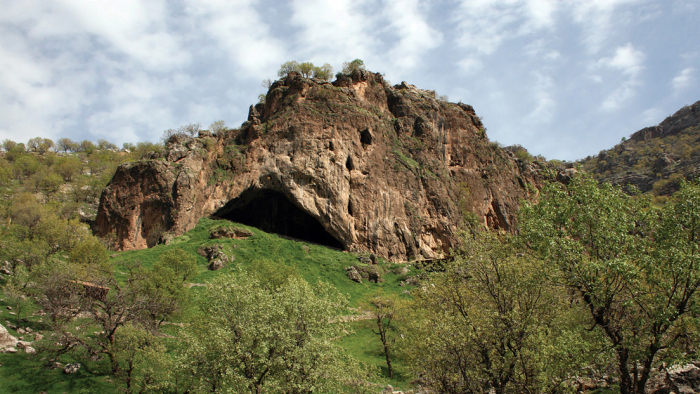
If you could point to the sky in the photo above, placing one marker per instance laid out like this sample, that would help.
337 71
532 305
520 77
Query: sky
565 79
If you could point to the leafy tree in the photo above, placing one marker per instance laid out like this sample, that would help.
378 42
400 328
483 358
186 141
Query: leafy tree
86 146
384 310
8 145
354 66
492 321
71 290
634 268
217 127
104 144
66 145
167 282
25 166
324 72
68 167
257 341
288 67
306 69
139 354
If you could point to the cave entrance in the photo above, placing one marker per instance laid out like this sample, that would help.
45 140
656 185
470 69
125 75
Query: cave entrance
272 212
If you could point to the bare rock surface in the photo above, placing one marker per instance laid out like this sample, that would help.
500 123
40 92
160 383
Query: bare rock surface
6 340
682 379
357 165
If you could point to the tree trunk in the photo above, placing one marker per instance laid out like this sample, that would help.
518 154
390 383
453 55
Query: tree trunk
625 380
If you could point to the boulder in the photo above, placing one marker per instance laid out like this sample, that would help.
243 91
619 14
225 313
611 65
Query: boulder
682 379
10 349
216 256
6 340
230 232
6 268
353 274
71 368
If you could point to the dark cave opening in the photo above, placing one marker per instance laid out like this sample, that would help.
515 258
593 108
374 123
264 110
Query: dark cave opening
272 212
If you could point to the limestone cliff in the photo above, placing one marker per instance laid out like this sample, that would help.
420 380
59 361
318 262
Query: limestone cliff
355 164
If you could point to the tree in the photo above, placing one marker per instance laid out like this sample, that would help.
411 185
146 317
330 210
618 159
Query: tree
66 145
306 69
635 269
324 72
68 167
352 67
257 341
492 321
190 130
70 290
104 144
384 310
288 67
86 146
217 127
166 282
8 145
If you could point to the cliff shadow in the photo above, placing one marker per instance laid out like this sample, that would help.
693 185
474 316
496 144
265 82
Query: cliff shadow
272 212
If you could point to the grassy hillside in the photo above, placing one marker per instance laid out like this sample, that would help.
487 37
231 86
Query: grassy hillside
311 262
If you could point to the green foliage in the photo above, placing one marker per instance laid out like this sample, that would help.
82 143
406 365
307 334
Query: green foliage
649 158
306 70
352 67
218 127
260 341
625 261
385 311
492 321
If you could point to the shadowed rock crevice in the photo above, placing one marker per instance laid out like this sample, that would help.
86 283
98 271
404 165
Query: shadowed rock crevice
272 212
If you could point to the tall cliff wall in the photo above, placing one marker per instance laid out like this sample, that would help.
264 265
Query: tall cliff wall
355 164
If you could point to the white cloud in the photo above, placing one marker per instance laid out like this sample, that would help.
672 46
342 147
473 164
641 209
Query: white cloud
542 94
683 80
414 33
135 28
596 17
652 115
340 30
483 25
239 29
629 62
470 65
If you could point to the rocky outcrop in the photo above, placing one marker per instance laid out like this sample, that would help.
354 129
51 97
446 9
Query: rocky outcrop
682 379
356 164
6 340
685 117
654 159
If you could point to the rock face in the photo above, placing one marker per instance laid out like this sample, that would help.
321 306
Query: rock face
6 340
355 164
685 117
683 379
654 159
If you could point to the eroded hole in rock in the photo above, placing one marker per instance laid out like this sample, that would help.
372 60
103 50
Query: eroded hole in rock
366 137
349 164
272 212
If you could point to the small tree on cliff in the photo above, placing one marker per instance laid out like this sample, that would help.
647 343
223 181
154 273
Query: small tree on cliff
353 66
306 70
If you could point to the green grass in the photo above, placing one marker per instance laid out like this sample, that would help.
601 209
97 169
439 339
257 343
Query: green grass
22 373
365 346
